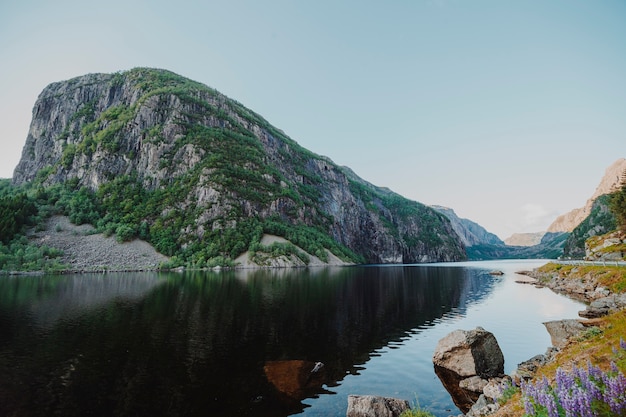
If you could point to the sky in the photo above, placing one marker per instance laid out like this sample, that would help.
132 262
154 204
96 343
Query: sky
506 111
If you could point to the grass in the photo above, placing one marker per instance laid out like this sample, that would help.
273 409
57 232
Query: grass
611 277
595 346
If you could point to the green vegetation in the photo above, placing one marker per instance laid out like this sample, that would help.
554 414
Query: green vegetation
601 220
214 184
416 411
611 277
430 226
17 211
618 207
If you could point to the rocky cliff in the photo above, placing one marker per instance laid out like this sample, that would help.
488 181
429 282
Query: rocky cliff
599 221
524 239
471 233
201 176
613 179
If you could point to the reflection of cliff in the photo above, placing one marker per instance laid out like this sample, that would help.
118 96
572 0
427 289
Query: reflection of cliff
198 343
50 298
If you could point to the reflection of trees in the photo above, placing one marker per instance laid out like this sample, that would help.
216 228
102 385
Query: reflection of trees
197 343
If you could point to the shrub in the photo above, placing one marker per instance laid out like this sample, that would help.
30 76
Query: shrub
124 233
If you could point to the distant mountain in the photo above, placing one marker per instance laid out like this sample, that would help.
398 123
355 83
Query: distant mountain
149 153
482 245
471 233
524 239
599 222
611 182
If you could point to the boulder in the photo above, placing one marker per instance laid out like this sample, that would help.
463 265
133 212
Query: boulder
374 406
483 407
474 383
470 352
463 360
561 330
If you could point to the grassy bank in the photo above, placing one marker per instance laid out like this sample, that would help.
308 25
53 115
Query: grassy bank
600 346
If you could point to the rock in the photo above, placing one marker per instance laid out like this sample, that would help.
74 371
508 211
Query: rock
462 398
374 406
463 359
469 353
295 378
495 387
152 138
603 306
474 383
482 407
610 182
561 330
496 273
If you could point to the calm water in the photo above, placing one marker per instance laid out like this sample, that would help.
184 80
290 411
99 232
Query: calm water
244 343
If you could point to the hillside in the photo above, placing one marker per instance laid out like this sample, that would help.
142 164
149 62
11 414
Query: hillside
471 233
612 180
148 153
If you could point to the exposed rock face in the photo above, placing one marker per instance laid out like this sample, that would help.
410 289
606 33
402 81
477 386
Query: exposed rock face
373 406
599 222
524 239
608 247
612 181
471 233
226 163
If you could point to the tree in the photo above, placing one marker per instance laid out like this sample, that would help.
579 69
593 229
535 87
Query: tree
618 207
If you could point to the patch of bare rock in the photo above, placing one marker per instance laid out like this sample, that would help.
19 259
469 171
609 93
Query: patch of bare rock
86 251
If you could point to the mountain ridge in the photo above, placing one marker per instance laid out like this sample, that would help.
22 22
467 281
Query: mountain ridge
202 177
611 181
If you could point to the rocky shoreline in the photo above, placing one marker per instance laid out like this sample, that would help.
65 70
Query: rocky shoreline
600 302
599 299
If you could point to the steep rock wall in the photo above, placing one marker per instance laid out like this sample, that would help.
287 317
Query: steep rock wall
226 163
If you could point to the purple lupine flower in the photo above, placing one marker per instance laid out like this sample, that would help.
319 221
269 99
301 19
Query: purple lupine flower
615 391
622 343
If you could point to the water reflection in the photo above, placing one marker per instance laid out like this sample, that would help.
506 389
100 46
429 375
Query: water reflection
206 343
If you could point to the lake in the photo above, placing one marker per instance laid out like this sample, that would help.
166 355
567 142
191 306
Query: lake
252 343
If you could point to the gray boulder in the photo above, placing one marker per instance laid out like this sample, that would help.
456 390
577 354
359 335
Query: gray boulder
561 330
470 352
374 406
464 360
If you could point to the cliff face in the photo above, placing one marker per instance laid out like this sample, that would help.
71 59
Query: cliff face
211 165
524 239
611 182
471 233
599 222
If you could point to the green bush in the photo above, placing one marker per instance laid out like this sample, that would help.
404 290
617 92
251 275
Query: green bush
124 233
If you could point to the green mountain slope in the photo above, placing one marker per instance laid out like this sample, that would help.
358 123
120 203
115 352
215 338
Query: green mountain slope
152 154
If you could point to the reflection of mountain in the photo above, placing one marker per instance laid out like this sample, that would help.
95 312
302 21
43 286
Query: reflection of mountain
50 298
198 343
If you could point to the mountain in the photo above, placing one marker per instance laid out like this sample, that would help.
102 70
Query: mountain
524 239
149 153
471 233
611 182
482 245
599 222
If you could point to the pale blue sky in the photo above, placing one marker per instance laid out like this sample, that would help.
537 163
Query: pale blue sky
506 111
